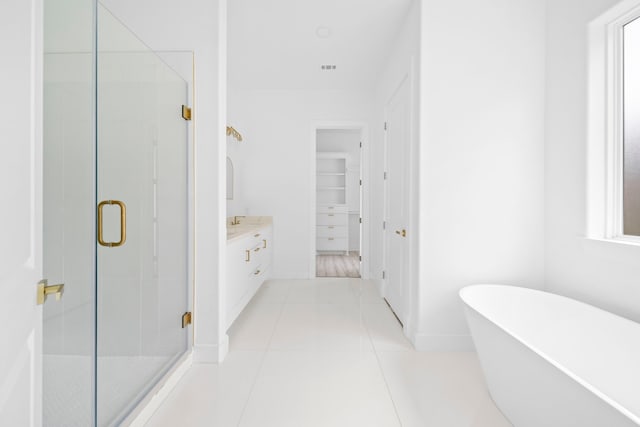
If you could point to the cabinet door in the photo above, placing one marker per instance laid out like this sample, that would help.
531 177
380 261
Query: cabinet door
262 250
237 266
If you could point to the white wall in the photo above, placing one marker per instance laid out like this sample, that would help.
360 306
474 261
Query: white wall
198 26
235 151
345 140
273 163
600 273
481 158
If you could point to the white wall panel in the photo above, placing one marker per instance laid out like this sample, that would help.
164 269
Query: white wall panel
601 273
482 156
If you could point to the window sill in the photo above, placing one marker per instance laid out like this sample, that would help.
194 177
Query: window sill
623 240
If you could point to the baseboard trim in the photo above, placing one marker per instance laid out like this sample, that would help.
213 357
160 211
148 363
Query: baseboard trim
425 342
207 353
143 413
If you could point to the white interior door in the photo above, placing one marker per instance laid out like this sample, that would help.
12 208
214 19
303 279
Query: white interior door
397 199
21 236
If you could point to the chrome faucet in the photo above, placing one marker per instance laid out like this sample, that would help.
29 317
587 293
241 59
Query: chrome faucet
236 221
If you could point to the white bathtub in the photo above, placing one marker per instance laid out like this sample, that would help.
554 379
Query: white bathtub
550 361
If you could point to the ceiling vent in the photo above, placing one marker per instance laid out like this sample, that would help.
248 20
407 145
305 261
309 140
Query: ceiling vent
328 67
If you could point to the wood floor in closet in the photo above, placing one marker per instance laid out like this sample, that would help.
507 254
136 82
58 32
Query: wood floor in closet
332 265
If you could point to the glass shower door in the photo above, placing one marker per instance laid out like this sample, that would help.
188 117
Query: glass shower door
142 199
68 217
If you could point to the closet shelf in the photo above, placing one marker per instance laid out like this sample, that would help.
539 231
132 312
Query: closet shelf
332 219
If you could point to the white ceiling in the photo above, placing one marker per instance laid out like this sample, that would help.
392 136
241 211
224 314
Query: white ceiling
273 43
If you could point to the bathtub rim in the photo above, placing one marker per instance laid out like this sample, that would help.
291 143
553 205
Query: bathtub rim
587 385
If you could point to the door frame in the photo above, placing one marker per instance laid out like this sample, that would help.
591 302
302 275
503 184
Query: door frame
411 292
363 127
21 372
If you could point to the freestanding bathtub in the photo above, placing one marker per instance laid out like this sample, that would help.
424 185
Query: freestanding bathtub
550 361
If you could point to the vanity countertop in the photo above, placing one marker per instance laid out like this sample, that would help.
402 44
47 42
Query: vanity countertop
247 225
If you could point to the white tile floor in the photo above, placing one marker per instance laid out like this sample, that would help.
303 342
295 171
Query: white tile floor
328 353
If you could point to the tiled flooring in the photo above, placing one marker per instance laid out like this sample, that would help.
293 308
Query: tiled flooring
328 353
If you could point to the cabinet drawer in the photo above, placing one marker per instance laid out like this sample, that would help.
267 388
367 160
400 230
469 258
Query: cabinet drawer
257 238
259 272
332 244
332 231
332 219
332 209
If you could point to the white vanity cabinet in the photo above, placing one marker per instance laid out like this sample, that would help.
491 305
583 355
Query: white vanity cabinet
249 259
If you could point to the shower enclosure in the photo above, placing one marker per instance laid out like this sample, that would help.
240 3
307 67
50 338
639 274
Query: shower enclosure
116 216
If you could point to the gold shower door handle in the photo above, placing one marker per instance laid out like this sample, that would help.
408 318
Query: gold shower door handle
123 223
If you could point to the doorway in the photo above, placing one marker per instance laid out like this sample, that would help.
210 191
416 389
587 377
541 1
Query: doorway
338 196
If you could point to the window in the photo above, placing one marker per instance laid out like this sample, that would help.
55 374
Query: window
631 128
613 194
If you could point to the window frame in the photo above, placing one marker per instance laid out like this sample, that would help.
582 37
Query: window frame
605 154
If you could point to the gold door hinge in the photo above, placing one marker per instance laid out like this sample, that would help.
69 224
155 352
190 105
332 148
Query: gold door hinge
186 112
186 319
45 289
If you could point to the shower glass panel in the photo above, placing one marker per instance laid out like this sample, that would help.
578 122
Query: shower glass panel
142 194
113 133
69 218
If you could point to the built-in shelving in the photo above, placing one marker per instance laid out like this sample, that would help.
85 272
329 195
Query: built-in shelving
332 220
331 178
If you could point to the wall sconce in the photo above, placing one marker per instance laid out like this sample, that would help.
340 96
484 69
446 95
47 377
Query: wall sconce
232 132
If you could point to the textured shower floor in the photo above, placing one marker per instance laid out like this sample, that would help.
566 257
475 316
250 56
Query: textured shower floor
67 387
